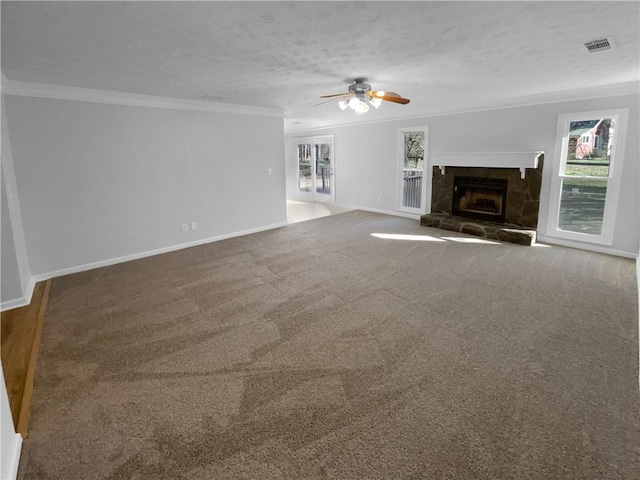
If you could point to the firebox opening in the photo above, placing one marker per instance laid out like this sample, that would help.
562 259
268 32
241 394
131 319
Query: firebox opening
480 198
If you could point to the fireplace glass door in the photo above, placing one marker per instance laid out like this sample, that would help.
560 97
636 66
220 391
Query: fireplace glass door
480 198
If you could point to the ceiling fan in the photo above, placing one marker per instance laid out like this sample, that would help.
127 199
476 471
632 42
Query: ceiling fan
359 91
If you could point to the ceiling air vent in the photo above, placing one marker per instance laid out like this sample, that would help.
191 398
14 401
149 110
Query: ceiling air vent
597 45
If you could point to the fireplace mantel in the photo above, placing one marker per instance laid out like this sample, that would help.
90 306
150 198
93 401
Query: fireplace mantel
519 160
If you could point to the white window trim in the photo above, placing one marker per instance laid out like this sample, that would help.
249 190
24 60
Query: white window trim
425 200
620 117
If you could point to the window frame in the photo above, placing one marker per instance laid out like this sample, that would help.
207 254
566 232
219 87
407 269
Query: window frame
619 118
425 200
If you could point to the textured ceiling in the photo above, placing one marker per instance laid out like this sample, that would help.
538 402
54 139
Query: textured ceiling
444 56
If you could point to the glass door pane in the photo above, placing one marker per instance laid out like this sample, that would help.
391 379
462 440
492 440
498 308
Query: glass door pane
323 168
304 167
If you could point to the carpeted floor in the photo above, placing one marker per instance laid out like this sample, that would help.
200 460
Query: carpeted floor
322 351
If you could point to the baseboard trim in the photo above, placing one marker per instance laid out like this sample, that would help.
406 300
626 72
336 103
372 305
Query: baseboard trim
395 213
26 300
13 455
151 253
584 246
22 301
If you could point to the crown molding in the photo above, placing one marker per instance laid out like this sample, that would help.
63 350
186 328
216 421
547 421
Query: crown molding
62 92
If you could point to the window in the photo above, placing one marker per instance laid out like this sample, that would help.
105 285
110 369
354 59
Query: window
413 182
585 139
586 178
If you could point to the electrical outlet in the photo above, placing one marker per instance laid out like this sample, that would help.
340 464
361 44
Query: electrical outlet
269 171
185 227
194 225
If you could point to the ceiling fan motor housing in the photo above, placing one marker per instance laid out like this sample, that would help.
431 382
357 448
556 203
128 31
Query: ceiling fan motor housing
359 88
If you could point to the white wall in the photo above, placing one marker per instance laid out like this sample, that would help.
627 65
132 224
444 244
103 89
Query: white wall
10 280
15 275
99 182
366 163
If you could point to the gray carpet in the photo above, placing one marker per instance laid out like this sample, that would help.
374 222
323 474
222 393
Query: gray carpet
319 351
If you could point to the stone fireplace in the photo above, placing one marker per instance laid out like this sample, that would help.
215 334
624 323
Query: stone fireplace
497 203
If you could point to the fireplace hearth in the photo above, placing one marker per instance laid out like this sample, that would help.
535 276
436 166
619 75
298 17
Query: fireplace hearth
494 203
480 198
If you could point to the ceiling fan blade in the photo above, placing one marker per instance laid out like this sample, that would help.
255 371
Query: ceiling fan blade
388 96
327 101
333 98
335 95
398 99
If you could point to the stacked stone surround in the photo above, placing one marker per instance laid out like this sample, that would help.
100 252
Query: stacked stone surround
522 204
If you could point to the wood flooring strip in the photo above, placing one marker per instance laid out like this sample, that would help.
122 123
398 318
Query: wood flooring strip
20 337
18 331
25 409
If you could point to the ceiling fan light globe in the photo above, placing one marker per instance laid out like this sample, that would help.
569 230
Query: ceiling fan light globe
354 102
362 107
343 104
376 102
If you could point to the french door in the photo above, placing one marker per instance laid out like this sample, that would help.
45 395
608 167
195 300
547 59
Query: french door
315 169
